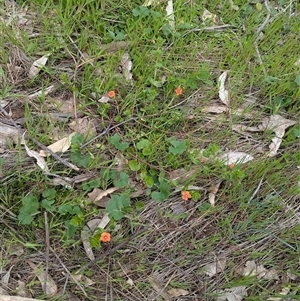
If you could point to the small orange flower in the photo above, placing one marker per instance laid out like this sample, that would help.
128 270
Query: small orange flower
178 91
231 165
186 195
105 237
111 94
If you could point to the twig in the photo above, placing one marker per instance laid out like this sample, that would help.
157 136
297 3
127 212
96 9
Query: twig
57 157
47 241
15 298
68 272
111 251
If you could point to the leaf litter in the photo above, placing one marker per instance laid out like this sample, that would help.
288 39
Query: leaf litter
169 240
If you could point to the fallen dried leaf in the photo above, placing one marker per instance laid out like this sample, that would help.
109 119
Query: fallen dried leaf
223 93
258 270
31 153
8 133
232 294
126 65
61 145
48 284
85 238
235 157
97 194
21 290
83 279
216 267
213 192
177 292
37 65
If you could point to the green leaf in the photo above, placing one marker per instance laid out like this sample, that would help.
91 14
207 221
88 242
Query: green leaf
157 196
115 141
48 205
29 208
122 181
145 143
297 80
178 147
116 205
64 209
49 194
134 165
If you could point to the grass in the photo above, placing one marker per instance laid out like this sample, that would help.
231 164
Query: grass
153 149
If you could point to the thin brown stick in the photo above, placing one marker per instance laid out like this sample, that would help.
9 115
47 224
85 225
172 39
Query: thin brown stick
54 155
47 241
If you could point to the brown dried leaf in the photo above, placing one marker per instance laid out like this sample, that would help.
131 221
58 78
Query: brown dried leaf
156 284
21 290
8 133
223 93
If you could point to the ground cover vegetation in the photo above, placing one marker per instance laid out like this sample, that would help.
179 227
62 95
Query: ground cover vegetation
149 151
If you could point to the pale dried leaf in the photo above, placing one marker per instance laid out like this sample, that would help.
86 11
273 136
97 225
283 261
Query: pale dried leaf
216 267
21 290
177 292
85 126
214 108
61 145
39 160
5 278
231 157
253 269
15 249
97 194
83 279
170 14
104 221
104 99
8 133
213 191
48 284
130 281
93 223
37 65
208 16
274 146
233 294
85 238
223 93
152 2
283 292
278 125
126 64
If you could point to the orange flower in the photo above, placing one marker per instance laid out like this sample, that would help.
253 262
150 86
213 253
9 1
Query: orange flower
105 237
185 195
178 91
231 165
111 94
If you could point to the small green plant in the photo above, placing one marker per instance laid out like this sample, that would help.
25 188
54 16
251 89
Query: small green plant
81 160
118 206
115 140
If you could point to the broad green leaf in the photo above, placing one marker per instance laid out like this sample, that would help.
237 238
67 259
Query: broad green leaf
116 205
178 147
134 165
122 181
